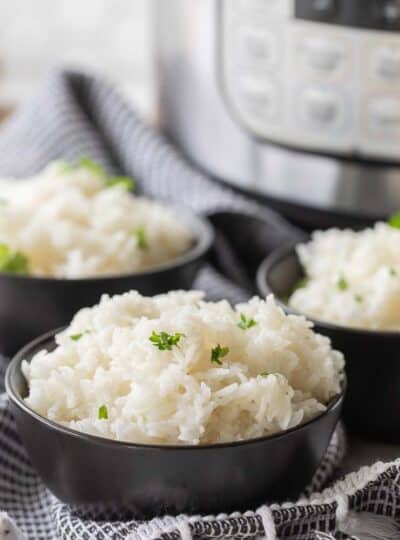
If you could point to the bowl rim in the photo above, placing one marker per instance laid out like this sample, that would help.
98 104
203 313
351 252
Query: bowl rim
264 287
15 366
203 239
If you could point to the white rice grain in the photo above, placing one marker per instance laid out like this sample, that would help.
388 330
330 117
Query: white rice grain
353 278
276 374
69 224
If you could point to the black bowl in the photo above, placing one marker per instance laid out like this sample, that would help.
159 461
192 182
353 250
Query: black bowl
149 479
372 405
30 306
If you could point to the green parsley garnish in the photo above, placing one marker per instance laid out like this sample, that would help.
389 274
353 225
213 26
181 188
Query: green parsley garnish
342 284
77 337
109 181
264 374
64 167
392 272
300 284
123 181
246 323
141 238
164 341
96 169
87 163
103 413
358 298
217 353
394 220
12 262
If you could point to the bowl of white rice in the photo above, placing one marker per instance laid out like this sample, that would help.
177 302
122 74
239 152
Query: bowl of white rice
172 403
348 283
72 232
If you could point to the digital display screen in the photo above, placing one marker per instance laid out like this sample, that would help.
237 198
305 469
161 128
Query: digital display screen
372 14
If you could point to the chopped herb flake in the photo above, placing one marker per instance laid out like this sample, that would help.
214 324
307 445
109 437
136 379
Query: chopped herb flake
300 284
246 323
96 169
141 238
77 337
87 163
358 298
264 374
164 341
64 167
123 181
103 413
392 272
342 284
12 262
394 220
217 353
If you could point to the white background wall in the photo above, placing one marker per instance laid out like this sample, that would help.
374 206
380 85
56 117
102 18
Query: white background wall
112 37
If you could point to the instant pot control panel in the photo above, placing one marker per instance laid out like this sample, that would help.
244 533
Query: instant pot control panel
320 75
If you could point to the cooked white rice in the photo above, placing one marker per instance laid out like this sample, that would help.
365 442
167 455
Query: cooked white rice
69 224
353 278
277 374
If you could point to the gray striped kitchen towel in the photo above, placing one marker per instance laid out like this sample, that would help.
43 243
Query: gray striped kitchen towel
74 115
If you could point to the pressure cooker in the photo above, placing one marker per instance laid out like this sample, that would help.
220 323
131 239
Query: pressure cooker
293 101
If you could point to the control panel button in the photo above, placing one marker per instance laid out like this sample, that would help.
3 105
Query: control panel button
386 63
322 55
257 48
259 99
384 115
321 108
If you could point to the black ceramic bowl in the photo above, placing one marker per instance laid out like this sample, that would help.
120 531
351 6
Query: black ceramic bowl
148 479
372 405
30 306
